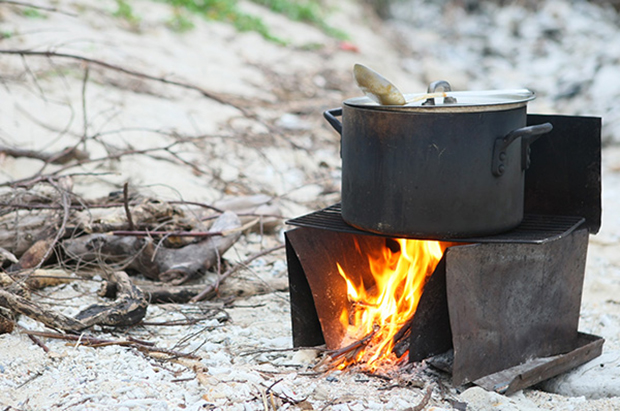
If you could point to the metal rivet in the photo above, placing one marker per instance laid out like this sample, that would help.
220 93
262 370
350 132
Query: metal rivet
501 169
502 156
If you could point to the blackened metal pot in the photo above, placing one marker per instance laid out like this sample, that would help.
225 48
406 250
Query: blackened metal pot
436 171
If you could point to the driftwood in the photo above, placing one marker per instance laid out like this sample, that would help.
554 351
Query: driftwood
33 256
167 293
20 229
42 278
30 216
30 309
7 321
157 263
128 309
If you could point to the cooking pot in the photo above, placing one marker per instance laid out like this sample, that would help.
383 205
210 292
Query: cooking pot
450 167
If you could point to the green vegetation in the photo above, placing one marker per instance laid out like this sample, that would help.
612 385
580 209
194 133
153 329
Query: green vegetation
180 22
125 11
308 11
227 11
33 13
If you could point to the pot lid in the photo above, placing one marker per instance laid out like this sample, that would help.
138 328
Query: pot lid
453 101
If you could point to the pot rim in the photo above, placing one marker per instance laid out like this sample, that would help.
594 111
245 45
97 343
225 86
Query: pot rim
466 101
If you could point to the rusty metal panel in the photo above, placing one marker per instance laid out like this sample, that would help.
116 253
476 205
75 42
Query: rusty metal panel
305 322
430 326
318 292
512 302
318 252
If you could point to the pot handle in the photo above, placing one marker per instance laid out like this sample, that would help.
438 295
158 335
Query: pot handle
529 134
432 88
330 116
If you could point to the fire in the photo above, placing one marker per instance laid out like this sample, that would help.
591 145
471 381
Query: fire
379 310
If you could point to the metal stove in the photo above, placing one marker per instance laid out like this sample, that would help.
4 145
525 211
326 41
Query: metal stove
505 308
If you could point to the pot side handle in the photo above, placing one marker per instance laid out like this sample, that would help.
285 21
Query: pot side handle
528 134
330 116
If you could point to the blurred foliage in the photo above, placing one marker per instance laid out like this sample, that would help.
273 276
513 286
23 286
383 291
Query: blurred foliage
308 11
32 13
227 11
125 11
180 21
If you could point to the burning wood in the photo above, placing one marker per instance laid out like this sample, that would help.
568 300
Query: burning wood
382 306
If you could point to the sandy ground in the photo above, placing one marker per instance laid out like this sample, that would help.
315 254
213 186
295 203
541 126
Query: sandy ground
283 150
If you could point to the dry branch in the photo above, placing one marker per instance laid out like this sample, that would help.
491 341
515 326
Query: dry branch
38 7
424 402
28 308
61 157
89 341
206 292
52 54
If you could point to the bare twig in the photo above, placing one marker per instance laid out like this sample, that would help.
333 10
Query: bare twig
212 287
38 342
53 54
84 111
61 157
66 203
353 346
424 402
98 342
30 181
34 6
126 206
208 94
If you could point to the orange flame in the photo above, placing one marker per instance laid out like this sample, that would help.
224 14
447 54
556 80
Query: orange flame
381 309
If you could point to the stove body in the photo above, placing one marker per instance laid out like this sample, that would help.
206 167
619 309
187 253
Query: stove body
506 305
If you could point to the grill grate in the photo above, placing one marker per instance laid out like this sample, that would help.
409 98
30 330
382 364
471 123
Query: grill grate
534 229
